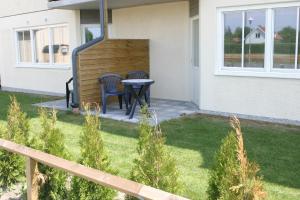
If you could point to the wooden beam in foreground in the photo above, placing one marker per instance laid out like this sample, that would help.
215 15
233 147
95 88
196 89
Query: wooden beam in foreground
32 179
93 175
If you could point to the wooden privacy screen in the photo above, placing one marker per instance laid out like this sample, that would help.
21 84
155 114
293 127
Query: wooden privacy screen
109 56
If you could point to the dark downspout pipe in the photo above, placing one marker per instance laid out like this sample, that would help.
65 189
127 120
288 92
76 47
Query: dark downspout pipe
76 51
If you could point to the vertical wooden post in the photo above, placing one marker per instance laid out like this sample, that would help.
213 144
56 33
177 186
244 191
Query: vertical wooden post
31 178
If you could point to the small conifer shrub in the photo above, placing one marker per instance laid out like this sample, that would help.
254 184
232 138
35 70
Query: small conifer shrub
51 141
12 166
233 176
92 155
154 165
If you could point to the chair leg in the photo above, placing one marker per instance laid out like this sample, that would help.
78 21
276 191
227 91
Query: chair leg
120 101
104 105
67 99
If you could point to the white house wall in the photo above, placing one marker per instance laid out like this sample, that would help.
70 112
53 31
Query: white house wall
167 27
14 7
268 97
31 78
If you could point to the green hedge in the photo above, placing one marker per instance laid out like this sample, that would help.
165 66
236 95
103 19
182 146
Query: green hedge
237 48
280 48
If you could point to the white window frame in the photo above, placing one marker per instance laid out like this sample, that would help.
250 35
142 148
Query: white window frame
268 70
33 63
17 44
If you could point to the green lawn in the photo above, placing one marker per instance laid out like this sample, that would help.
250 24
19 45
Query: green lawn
192 140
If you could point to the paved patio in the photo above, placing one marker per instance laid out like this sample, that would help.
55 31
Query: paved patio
164 110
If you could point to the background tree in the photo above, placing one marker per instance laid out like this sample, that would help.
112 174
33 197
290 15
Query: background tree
288 34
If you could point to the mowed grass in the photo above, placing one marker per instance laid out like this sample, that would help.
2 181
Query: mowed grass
193 141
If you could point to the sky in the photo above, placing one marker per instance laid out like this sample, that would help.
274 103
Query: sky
283 17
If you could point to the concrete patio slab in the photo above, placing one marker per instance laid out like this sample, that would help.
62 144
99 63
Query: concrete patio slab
163 109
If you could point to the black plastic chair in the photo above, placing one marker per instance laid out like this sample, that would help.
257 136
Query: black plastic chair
109 87
137 75
68 92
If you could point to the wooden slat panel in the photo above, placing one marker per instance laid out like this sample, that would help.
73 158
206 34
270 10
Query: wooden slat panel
116 61
96 176
118 44
109 56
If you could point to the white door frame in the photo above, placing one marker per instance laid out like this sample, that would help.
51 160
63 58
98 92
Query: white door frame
194 70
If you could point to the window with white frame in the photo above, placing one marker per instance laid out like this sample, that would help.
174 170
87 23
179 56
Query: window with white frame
286 26
24 46
260 39
43 46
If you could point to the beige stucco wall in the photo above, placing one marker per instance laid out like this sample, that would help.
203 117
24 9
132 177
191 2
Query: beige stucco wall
37 79
14 7
167 27
268 97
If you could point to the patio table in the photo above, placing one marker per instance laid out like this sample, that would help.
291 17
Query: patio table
137 95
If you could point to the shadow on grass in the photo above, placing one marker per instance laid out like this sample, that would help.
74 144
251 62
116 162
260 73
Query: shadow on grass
25 100
274 147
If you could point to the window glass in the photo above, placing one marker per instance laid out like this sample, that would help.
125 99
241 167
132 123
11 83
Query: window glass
24 46
285 38
41 37
91 33
298 57
233 32
196 43
61 51
254 34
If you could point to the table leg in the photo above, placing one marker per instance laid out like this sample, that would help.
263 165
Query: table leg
133 108
130 88
136 97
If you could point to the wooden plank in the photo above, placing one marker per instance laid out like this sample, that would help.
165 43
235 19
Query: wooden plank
113 54
32 179
118 44
109 56
93 175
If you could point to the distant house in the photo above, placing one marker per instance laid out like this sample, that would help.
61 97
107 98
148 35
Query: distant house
256 36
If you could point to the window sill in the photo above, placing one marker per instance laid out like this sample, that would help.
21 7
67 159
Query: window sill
44 66
258 74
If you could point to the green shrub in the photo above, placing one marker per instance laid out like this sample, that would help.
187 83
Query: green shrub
233 177
13 166
93 155
17 124
154 166
52 142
